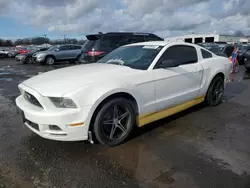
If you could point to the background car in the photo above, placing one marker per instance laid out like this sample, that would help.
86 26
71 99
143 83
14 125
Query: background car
5 53
227 49
26 58
131 86
213 47
243 49
67 52
247 61
23 50
98 45
221 48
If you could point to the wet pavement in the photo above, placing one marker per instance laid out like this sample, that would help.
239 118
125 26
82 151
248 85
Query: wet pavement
201 147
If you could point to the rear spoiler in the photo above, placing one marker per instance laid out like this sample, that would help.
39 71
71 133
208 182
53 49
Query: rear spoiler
93 37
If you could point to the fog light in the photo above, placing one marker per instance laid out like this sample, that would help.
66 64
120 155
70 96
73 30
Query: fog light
54 128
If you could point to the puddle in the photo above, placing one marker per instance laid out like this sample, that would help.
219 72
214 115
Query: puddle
6 79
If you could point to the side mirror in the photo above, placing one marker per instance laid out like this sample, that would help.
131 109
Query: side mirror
168 63
57 50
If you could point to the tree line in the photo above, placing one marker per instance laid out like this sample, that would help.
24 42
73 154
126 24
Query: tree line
39 41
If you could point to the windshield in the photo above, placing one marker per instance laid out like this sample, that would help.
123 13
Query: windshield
52 48
89 44
243 47
136 57
215 48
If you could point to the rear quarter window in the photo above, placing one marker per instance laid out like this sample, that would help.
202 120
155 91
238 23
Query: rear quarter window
206 54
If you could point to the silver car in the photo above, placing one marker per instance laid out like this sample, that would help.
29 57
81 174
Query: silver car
67 52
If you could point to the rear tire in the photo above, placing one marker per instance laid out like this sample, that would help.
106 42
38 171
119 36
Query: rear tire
114 122
215 91
77 59
49 60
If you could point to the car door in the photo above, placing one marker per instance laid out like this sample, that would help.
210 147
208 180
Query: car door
63 53
178 75
74 51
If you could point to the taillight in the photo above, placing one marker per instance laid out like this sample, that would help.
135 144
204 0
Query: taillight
95 53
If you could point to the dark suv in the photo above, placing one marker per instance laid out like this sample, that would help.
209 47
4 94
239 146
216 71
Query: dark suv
98 45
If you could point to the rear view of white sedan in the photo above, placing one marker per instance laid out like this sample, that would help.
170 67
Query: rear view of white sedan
132 86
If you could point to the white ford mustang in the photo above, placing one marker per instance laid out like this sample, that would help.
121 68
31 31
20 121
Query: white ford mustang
131 86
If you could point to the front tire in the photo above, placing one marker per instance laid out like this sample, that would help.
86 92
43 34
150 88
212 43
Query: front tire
49 60
78 59
215 91
28 60
9 55
114 122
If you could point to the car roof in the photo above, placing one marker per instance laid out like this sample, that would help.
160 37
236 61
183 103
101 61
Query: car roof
59 45
162 43
124 33
99 35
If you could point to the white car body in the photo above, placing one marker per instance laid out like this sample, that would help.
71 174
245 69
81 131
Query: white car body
157 92
4 52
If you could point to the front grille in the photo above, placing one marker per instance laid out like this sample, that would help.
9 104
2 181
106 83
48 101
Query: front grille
29 97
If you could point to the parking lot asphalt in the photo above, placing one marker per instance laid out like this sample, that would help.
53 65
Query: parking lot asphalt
204 147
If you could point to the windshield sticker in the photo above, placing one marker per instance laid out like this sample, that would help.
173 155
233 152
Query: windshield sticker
150 47
118 61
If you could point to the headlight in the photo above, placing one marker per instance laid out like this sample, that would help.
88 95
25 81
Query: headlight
61 102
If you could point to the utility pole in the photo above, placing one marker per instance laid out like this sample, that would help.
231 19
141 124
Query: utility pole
64 39
45 37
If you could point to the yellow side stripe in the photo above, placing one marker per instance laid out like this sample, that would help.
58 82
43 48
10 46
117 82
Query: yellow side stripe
77 124
154 116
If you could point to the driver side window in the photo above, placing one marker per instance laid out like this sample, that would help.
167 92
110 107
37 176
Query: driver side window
177 55
63 48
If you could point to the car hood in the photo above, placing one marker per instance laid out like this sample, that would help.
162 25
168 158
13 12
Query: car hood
40 53
61 81
31 53
4 52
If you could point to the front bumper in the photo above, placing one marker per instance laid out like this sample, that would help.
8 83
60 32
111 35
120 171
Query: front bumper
42 120
38 60
20 58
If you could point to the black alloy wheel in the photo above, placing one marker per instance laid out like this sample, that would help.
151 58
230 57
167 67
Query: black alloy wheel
215 91
28 60
114 122
49 60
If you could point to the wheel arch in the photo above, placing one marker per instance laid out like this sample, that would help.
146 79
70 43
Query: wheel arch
109 97
50 55
28 56
219 73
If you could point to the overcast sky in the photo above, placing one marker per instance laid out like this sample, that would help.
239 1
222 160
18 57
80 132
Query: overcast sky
20 18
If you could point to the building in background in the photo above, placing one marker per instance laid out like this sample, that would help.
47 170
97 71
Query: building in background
199 38
44 45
